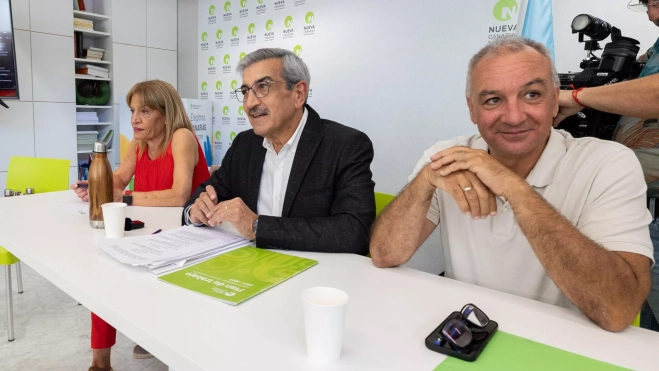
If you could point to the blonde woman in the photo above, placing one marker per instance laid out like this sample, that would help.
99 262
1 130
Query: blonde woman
167 162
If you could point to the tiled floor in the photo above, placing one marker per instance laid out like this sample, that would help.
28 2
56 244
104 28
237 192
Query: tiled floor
52 331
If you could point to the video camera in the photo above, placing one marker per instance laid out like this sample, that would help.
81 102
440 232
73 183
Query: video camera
617 63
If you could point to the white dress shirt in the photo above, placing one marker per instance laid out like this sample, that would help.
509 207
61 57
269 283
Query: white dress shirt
276 171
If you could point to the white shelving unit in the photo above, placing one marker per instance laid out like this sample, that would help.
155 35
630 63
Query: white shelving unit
89 34
94 17
99 12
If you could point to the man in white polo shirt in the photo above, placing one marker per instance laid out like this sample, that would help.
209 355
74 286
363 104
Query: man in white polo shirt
526 209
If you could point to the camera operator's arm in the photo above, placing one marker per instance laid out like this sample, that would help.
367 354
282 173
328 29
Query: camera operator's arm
636 98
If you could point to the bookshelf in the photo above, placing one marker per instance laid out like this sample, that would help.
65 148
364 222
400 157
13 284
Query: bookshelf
99 12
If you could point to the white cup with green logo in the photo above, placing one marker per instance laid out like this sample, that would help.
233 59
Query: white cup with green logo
324 317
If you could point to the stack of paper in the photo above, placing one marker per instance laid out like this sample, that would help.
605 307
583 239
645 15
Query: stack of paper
94 53
173 249
86 140
92 70
87 116
84 24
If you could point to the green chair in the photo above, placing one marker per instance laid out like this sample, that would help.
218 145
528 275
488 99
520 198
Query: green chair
381 201
44 175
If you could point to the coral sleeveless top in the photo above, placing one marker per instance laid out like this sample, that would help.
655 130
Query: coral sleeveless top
158 174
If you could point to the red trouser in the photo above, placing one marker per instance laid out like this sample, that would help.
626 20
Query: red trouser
103 335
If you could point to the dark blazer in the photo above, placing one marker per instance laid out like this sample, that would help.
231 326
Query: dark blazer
329 204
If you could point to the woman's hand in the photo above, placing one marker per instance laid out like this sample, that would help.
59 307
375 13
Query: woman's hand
80 188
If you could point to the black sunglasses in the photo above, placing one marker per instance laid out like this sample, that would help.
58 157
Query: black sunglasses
464 331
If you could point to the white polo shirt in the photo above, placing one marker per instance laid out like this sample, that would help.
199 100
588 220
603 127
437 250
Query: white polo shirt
597 185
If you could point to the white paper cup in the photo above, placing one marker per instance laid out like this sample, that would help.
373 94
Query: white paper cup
114 218
324 314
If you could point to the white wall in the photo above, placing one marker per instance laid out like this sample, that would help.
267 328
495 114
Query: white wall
144 47
42 122
187 48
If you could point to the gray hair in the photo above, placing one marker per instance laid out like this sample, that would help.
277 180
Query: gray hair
293 71
510 44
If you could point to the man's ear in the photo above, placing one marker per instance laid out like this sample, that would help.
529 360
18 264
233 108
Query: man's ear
556 107
300 91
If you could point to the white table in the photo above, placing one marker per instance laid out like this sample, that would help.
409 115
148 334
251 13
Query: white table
390 311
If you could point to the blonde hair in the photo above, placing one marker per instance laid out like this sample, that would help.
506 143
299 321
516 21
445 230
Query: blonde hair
162 96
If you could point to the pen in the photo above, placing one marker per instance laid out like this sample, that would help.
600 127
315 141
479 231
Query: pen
158 231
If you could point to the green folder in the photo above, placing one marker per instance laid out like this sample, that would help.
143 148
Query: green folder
513 353
238 275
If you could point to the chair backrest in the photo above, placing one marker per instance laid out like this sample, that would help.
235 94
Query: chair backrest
42 174
381 201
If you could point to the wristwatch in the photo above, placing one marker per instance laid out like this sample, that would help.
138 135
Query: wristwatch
255 226
128 198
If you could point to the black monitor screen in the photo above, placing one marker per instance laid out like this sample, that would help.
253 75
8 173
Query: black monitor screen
8 76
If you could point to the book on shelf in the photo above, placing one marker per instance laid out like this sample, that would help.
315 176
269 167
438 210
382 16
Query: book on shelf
93 67
92 72
81 5
78 43
83 23
86 117
75 5
105 135
94 53
86 139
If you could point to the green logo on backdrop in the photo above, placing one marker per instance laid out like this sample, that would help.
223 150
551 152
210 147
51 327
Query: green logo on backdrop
203 86
241 56
218 85
225 110
211 60
218 34
504 10
260 1
234 84
309 18
243 3
191 106
241 110
251 28
234 31
211 9
227 59
268 25
288 21
218 135
227 6
204 36
297 50
232 136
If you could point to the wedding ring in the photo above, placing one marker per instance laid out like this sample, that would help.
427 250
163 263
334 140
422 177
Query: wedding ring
467 189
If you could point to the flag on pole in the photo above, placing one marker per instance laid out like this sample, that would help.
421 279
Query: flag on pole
537 22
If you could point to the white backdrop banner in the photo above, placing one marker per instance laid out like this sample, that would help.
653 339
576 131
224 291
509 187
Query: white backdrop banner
394 69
